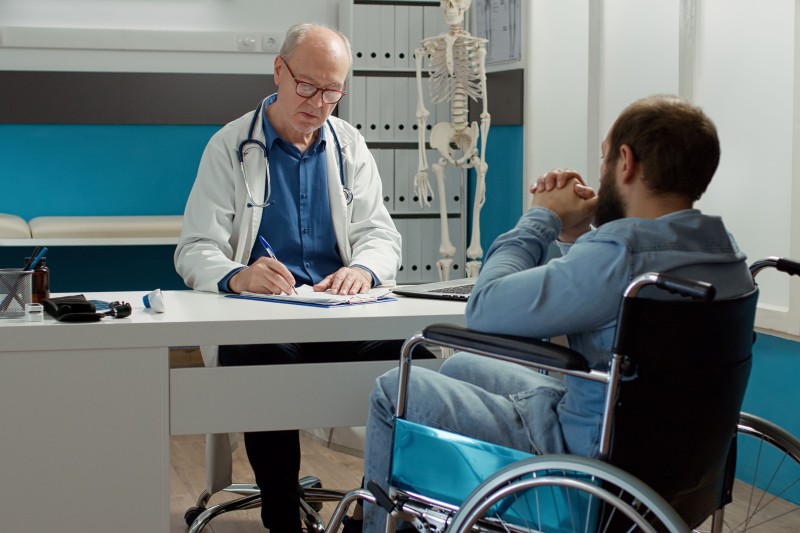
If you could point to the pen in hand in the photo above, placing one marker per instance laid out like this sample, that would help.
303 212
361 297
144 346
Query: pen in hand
270 252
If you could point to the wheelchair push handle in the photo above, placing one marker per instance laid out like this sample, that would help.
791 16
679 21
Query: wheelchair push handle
697 290
789 266
782 264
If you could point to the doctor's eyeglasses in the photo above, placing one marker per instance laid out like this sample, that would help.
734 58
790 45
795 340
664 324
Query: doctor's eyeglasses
306 90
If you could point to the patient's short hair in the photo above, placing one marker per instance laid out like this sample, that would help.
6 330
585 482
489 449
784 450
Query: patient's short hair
674 140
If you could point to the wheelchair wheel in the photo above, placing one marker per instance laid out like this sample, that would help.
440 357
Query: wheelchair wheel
766 494
564 493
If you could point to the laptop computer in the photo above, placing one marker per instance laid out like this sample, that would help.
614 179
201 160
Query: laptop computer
454 289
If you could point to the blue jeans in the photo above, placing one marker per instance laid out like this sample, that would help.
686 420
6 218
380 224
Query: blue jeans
486 399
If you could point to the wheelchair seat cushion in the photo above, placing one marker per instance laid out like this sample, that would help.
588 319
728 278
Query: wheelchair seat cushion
446 467
443 465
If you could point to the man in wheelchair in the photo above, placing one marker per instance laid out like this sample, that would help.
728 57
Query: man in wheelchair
657 160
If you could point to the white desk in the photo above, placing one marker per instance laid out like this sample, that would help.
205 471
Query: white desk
86 410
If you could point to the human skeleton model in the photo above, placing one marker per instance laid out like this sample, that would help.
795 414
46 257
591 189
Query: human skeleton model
456 64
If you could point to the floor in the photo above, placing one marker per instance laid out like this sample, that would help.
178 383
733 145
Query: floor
187 476
187 480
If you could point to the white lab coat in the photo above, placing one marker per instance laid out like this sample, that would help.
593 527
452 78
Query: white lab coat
219 229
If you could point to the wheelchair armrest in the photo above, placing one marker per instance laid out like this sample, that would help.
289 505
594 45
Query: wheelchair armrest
522 349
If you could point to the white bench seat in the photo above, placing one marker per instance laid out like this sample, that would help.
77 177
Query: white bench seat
90 227
13 227
90 230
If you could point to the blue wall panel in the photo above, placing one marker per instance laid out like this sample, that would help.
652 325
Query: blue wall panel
59 170
503 186
98 170
773 392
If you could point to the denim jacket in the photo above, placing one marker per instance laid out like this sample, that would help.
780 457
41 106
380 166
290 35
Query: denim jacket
579 294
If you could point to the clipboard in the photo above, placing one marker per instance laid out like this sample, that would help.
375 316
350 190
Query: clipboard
307 296
309 304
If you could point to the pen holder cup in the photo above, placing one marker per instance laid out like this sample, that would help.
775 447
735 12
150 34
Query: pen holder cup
15 292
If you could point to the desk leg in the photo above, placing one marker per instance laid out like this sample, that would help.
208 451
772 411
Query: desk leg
84 440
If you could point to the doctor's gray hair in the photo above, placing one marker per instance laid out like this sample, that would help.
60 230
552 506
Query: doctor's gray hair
298 33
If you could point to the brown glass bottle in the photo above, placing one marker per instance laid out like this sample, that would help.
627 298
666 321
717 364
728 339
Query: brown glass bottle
40 281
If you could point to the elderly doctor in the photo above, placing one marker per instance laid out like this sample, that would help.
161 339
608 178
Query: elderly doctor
309 186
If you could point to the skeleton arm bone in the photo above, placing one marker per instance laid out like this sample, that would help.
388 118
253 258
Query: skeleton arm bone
486 118
422 185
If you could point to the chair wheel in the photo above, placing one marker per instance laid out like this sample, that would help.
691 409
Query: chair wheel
317 506
191 515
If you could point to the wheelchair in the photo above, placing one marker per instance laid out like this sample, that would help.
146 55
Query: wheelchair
669 438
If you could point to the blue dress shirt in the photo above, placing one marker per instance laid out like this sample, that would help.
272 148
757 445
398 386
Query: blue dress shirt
297 221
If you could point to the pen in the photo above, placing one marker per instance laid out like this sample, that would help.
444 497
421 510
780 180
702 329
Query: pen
33 255
270 252
36 257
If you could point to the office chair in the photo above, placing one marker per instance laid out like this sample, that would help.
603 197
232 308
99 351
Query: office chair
675 388
312 497
219 463
218 460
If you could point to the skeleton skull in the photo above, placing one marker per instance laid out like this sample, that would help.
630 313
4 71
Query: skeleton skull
454 11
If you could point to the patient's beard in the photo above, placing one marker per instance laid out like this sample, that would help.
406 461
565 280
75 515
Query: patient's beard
610 205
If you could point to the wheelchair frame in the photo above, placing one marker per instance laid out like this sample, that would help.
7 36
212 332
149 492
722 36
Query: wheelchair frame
444 518
538 470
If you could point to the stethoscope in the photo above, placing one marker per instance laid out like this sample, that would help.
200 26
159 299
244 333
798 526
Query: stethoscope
348 194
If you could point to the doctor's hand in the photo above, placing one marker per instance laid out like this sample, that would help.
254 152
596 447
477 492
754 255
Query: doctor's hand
565 193
264 276
346 280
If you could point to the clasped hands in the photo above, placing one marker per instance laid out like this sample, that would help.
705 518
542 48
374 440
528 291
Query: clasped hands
566 194
270 276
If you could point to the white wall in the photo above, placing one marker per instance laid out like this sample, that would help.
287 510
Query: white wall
736 58
556 86
745 81
185 23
